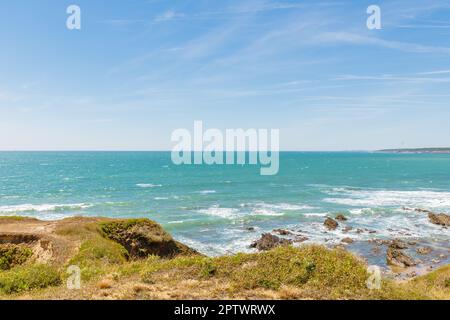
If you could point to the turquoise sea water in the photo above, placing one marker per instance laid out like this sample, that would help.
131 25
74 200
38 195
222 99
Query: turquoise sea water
211 207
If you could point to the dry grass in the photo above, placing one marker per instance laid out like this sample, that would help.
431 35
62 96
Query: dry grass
108 272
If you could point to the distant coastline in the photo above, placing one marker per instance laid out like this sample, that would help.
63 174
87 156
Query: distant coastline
418 150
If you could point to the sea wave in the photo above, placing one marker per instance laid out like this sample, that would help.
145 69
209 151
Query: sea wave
43 207
385 198
217 211
148 185
207 191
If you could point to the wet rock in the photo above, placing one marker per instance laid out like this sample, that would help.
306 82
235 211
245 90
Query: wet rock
250 228
347 229
347 240
424 250
341 217
376 250
395 257
398 244
330 224
422 210
301 239
282 232
412 243
269 241
439 219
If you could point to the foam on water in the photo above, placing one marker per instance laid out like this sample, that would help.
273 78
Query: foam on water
377 198
23 208
217 211
148 185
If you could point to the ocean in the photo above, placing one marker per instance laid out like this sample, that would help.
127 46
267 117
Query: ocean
211 208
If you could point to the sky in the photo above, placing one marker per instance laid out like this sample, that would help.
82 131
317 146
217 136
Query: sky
139 69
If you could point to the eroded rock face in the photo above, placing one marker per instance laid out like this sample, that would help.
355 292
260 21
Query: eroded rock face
396 257
143 237
439 219
330 224
269 241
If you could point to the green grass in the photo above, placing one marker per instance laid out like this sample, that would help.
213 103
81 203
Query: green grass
13 255
27 278
15 218
331 272
96 255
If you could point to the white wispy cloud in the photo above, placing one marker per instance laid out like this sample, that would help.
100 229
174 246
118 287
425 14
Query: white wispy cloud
354 38
169 15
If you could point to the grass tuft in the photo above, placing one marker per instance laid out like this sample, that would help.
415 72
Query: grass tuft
26 278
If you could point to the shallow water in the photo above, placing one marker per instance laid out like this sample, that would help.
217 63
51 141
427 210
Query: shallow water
210 207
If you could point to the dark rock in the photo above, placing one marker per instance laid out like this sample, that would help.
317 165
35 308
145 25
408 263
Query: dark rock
347 240
341 217
269 241
250 229
347 229
439 219
422 210
376 250
330 224
301 239
396 257
282 232
424 250
398 244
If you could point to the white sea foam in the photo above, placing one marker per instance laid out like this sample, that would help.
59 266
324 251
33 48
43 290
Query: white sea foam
217 211
313 214
42 207
207 191
161 198
278 206
380 198
148 185
265 212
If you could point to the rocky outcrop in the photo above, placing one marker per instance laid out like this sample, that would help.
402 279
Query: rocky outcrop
269 241
282 232
439 219
398 244
143 237
330 224
396 257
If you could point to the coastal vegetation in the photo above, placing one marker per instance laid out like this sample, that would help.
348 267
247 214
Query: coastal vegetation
138 259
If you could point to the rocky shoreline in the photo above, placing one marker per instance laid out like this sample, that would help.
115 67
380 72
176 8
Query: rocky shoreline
405 258
138 259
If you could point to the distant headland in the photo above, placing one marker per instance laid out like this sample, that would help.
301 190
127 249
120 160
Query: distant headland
418 150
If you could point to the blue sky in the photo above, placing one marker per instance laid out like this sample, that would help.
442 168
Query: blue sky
138 69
